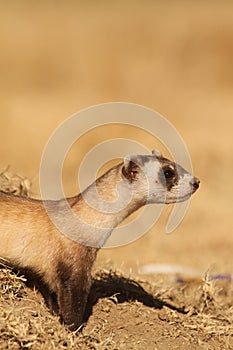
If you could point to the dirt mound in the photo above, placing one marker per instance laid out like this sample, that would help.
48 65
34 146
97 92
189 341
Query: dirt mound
123 313
174 57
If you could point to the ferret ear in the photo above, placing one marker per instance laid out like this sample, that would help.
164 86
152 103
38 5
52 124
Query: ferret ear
157 153
130 168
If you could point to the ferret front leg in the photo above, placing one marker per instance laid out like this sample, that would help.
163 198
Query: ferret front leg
72 299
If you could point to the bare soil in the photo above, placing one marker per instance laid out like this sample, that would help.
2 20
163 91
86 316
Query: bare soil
177 58
123 313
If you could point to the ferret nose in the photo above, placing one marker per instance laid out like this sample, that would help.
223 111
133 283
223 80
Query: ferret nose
195 183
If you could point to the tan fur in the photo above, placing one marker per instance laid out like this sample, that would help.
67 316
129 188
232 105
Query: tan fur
30 241
60 265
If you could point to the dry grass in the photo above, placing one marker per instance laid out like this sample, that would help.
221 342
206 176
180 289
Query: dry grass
127 313
173 56
13 183
122 312
25 322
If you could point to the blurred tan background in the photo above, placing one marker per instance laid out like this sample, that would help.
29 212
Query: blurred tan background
57 57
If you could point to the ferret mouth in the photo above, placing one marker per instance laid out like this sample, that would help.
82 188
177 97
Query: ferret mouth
188 195
194 190
177 199
184 197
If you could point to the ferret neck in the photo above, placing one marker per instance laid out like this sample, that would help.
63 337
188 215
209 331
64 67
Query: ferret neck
103 206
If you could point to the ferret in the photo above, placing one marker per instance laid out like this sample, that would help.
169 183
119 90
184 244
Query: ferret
61 266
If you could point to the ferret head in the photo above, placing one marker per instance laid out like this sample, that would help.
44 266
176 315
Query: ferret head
158 178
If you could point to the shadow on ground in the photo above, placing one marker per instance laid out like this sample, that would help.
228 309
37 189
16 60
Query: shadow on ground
120 289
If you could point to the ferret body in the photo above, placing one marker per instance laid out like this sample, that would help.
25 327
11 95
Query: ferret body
61 266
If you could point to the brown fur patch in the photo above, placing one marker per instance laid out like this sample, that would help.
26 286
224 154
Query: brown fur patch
130 172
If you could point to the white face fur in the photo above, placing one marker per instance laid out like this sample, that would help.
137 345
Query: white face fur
159 179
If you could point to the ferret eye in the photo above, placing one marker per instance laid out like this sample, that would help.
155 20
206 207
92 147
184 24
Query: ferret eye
168 173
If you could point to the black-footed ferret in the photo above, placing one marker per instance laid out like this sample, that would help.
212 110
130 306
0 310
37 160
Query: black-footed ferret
60 265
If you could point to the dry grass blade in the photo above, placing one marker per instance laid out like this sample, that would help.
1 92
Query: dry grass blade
15 184
122 312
